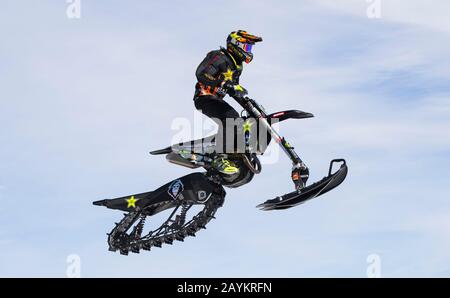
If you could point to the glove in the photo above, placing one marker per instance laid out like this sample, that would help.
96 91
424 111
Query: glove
234 90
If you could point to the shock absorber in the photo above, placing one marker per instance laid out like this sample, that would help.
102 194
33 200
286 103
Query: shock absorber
137 232
182 216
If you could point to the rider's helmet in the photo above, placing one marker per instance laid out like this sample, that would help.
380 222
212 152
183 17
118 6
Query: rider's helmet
240 43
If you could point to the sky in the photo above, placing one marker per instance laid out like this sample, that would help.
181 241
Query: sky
83 101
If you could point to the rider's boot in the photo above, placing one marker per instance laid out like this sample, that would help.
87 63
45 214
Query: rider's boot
219 162
224 166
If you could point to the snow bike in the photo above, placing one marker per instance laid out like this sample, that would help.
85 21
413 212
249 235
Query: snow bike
204 191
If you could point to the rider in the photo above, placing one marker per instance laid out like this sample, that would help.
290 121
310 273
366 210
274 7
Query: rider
218 75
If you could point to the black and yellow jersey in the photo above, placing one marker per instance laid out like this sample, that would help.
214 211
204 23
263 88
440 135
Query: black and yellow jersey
217 67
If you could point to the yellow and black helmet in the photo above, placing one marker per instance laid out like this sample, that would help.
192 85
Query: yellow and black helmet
240 44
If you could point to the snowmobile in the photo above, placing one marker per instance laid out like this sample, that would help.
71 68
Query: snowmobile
191 201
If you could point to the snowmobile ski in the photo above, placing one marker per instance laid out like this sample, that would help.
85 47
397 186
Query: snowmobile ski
309 192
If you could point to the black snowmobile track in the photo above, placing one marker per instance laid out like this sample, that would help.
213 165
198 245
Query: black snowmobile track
167 233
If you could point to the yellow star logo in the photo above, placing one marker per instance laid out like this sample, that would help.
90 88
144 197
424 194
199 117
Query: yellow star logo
228 75
131 202
247 126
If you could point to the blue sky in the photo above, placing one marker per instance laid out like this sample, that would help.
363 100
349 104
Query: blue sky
83 101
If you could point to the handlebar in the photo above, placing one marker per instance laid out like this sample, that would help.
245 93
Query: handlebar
241 100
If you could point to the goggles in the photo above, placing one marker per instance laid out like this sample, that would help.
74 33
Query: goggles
247 47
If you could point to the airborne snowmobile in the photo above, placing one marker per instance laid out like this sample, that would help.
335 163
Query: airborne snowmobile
205 191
